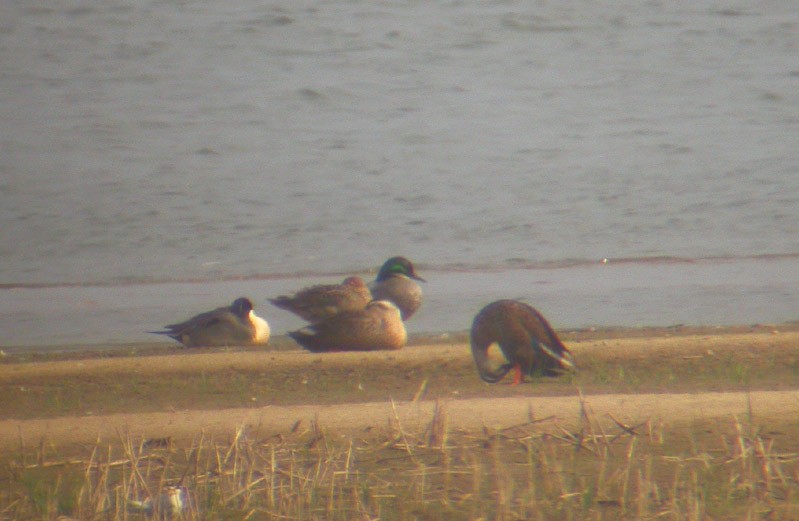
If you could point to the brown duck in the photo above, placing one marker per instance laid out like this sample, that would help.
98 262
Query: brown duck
232 325
525 338
321 302
376 327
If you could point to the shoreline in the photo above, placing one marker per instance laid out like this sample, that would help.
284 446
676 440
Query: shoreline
655 294
150 379
670 376
280 343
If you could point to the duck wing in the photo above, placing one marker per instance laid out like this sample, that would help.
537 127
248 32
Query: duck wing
219 327
550 356
318 303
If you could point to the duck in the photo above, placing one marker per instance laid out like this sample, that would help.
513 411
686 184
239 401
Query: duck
377 327
232 325
528 342
395 282
320 302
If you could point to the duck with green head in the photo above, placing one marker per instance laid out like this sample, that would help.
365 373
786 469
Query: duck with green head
395 282
525 338
376 327
232 325
320 302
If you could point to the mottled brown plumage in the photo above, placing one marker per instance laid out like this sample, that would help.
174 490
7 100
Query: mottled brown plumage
525 338
318 303
376 327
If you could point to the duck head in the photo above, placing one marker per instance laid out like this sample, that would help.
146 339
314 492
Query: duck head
397 266
241 306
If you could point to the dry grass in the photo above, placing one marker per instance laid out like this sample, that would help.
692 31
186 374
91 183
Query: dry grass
588 467
601 469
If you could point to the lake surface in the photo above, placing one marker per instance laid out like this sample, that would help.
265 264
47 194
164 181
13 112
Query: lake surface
194 144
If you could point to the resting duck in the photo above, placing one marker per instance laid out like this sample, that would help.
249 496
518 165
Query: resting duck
376 327
525 338
394 283
318 303
233 325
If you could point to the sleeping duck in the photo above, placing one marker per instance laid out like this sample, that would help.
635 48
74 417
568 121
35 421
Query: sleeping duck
232 325
376 327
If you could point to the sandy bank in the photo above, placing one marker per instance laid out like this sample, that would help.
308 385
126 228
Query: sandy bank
466 414
678 378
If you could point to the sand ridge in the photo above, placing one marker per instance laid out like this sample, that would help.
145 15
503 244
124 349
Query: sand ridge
485 408
467 414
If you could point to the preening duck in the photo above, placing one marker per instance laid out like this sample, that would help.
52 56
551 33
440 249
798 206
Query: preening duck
526 339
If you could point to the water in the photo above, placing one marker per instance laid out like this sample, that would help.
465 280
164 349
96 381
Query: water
203 141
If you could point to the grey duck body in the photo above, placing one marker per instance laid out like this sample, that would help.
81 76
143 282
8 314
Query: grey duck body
236 324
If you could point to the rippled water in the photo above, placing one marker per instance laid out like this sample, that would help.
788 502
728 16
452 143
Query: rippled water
172 140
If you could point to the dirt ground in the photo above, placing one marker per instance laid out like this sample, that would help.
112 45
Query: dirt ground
683 376
472 413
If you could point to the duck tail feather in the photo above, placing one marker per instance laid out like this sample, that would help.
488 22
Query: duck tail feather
564 358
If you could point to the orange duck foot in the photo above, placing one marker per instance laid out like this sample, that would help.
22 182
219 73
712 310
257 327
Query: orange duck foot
517 374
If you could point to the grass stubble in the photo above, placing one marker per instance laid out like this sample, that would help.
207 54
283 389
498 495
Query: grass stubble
540 469
549 468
